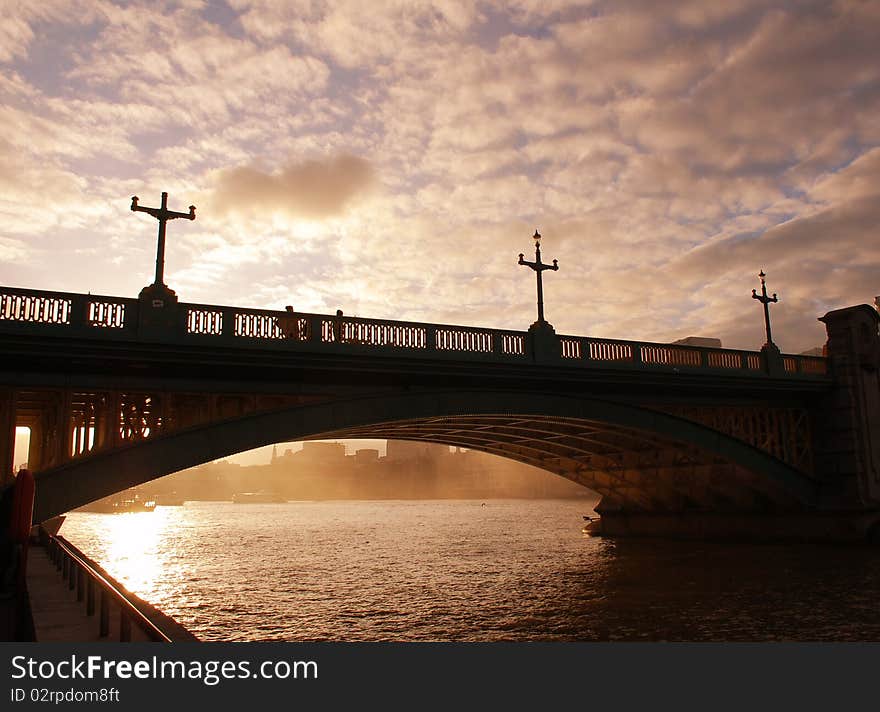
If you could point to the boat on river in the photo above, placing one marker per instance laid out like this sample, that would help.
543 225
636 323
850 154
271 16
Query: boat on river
120 505
261 497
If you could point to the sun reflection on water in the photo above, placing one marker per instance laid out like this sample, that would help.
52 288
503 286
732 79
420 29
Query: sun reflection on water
132 542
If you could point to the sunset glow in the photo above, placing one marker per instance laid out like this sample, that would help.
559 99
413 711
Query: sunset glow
392 159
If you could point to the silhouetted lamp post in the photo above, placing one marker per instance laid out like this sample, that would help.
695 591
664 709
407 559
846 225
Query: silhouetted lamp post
773 360
539 267
765 300
163 215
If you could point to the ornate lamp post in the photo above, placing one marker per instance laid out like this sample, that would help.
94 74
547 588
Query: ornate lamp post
544 343
163 215
765 300
539 267
771 351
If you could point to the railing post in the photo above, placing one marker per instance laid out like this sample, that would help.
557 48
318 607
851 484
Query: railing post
228 329
315 335
704 358
80 583
430 338
124 626
71 579
79 311
104 628
637 354
65 566
90 596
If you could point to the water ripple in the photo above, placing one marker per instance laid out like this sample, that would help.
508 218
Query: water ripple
453 570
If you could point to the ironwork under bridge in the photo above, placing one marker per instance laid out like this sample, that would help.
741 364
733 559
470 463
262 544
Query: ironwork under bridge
678 440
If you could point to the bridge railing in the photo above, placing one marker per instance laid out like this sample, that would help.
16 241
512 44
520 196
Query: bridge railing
62 309
98 591
674 355
33 311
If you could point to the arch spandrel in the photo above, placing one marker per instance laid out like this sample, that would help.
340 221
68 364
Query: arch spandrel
643 458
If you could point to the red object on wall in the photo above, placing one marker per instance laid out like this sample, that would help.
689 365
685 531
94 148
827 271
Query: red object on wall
20 521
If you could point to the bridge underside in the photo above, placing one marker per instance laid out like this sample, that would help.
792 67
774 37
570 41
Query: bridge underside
632 470
640 460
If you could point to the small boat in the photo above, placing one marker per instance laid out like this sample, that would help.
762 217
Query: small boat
135 505
169 500
116 505
261 497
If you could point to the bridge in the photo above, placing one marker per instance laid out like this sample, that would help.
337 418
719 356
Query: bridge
678 440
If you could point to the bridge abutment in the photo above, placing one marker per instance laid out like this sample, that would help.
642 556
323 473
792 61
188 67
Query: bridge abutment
847 423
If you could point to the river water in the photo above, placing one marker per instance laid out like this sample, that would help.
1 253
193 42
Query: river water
447 570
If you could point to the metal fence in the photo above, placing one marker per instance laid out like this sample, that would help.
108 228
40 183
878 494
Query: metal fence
97 593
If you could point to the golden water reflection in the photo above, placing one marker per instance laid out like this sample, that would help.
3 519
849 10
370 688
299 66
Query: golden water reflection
468 570
131 542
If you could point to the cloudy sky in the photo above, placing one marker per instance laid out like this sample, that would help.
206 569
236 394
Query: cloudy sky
392 159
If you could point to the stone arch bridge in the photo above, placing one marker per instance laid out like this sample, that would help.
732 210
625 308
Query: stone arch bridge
678 440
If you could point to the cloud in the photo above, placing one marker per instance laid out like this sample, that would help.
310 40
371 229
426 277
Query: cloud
666 153
15 36
355 34
310 189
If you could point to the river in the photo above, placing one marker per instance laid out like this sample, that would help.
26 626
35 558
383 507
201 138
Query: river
444 570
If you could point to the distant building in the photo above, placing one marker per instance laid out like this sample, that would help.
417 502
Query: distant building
366 456
405 450
707 342
323 452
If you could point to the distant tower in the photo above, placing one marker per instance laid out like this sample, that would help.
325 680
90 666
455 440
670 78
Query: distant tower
274 454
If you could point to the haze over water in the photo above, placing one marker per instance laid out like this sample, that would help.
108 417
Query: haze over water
470 571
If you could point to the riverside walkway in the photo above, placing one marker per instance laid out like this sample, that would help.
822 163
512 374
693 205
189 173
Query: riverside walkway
59 599
58 616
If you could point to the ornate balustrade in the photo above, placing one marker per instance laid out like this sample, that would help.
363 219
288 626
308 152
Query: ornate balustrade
34 308
34 311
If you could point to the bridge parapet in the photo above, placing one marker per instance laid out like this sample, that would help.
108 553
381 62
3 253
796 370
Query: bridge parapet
37 312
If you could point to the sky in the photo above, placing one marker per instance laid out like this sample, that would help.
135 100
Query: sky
392 159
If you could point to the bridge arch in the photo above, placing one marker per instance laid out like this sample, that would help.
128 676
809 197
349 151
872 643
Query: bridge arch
635 457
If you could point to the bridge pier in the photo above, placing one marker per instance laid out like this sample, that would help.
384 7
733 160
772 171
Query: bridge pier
845 450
